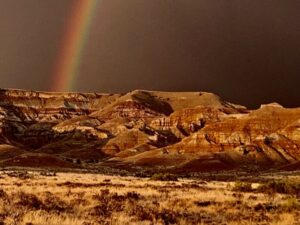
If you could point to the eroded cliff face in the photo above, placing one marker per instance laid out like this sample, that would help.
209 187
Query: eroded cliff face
27 118
195 131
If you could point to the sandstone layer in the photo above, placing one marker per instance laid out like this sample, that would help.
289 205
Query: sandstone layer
187 131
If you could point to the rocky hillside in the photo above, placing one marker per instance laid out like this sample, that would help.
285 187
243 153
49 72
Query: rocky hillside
193 131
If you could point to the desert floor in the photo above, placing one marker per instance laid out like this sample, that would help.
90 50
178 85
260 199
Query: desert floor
36 198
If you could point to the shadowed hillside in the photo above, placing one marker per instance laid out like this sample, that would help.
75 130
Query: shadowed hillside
179 132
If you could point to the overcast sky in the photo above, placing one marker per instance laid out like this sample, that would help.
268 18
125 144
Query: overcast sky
246 51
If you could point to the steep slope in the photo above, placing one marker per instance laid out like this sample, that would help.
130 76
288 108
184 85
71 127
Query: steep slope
188 131
267 137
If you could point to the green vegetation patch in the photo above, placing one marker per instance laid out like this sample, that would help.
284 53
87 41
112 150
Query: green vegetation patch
282 187
164 177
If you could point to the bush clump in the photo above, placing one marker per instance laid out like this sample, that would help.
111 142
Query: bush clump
243 187
291 204
48 173
282 187
30 201
164 177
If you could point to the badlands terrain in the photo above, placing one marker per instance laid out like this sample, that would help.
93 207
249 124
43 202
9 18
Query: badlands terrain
145 131
146 157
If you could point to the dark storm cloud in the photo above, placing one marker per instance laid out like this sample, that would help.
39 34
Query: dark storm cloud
246 51
29 34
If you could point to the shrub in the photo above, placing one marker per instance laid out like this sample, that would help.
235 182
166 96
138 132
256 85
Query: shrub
164 177
265 207
30 201
243 187
204 203
23 175
48 173
3 194
54 203
282 187
291 204
133 196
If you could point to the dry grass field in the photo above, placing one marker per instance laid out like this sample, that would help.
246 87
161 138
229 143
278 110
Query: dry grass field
43 198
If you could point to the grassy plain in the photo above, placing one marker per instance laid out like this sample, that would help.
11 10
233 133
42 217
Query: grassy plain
46 198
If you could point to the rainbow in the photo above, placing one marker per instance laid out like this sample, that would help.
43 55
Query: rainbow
73 43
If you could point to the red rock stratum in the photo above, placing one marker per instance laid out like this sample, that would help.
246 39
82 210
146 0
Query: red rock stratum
186 131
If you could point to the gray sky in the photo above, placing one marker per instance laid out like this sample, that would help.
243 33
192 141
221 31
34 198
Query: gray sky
246 51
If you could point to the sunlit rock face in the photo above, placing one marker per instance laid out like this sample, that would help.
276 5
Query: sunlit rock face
188 131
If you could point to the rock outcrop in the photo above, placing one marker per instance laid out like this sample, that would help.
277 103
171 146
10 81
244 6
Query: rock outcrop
192 131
